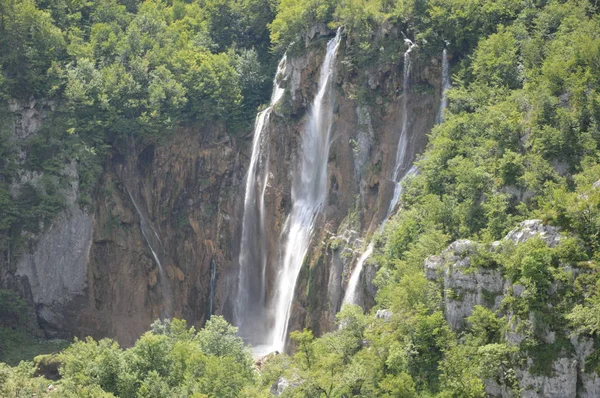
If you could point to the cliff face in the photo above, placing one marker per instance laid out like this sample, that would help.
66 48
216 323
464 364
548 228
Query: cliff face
367 120
93 270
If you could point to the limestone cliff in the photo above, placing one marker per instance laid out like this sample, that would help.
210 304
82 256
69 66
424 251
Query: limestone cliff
466 285
91 271
368 113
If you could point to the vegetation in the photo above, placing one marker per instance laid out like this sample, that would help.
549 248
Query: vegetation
520 140
115 73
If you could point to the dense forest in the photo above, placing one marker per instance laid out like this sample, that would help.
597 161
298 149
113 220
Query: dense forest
523 116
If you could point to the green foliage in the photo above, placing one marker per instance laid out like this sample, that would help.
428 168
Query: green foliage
519 141
169 360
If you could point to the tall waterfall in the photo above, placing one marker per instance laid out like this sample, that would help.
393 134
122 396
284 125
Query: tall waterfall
250 306
403 141
445 86
309 193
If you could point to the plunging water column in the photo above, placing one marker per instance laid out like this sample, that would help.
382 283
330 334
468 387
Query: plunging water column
309 192
250 308
445 86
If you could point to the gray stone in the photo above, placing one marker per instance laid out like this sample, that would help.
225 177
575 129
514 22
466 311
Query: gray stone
57 268
562 383
589 382
384 314
531 228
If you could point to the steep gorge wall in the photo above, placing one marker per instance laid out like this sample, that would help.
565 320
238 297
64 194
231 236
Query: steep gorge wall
92 273
368 116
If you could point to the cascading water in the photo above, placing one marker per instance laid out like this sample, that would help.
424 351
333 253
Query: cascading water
250 305
151 237
445 86
403 141
352 296
309 193
211 288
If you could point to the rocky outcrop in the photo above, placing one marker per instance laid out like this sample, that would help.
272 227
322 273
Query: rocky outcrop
466 285
464 289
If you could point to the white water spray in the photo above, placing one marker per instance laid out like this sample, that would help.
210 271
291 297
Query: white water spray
309 193
251 303
403 141
445 86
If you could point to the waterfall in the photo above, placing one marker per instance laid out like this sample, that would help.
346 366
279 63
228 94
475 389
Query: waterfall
151 240
352 296
403 141
250 303
445 86
309 192
211 287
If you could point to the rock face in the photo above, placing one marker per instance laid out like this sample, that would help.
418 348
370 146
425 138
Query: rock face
463 290
92 272
466 286
361 162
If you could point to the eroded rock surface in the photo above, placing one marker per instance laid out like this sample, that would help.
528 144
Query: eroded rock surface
466 285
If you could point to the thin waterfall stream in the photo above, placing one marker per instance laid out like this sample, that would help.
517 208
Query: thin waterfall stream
352 295
151 237
445 86
403 142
